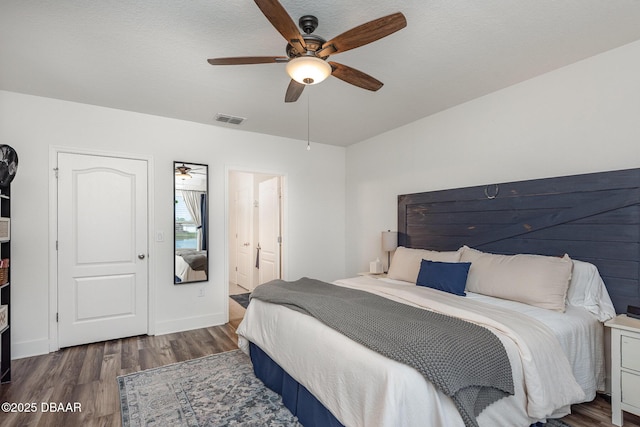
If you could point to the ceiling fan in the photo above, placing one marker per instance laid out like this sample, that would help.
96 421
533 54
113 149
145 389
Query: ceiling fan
307 53
185 172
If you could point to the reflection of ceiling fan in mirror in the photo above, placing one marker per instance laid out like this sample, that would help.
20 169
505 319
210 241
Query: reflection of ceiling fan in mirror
185 172
307 53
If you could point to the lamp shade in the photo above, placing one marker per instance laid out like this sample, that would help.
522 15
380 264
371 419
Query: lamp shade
308 70
389 240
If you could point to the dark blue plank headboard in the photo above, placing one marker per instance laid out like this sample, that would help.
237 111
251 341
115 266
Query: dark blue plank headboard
593 217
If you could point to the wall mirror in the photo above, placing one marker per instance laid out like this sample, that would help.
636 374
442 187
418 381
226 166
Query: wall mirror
190 213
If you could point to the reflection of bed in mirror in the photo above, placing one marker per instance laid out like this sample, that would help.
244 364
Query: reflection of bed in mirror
190 223
191 265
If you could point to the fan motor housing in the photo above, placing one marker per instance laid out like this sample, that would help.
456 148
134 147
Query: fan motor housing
308 24
313 42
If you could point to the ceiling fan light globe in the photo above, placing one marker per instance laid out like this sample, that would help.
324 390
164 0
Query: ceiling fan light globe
308 70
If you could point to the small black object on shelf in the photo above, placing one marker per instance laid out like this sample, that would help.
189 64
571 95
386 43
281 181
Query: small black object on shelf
633 311
8 164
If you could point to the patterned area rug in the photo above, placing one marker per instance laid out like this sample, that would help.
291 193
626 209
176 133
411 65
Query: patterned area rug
217 390
556 423
242 299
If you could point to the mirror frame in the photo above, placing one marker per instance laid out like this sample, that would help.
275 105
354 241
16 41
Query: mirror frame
206 239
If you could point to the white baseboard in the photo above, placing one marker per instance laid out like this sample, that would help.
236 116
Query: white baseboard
189 323
20 350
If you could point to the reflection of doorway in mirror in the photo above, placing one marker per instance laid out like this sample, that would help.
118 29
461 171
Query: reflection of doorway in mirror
255 229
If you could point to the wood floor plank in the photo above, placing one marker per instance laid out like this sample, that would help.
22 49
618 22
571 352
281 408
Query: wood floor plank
87 375
129 353
113 347
181 349
92 363
110 366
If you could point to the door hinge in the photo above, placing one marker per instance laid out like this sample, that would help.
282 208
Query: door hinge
236 268
56 245
55 170
279 239
56 317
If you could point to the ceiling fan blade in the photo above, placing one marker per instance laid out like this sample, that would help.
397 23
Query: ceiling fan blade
355 77
364 34
293 91
280 19
242 60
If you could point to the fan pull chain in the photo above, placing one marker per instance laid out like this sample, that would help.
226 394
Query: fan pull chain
308 122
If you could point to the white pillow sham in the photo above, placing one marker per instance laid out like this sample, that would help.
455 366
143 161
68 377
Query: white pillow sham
405 264
537 280
587 290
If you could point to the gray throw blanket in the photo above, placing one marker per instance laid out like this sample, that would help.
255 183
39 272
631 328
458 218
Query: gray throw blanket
465 361
197 260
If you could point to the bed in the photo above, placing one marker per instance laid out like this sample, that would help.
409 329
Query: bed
328 379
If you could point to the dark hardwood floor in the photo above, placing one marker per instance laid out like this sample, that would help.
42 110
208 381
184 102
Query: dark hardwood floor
597 414
87 375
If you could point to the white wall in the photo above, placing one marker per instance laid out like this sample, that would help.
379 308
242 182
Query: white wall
578 119
315 191
582 118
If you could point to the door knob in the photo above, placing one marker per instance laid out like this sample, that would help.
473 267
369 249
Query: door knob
141 256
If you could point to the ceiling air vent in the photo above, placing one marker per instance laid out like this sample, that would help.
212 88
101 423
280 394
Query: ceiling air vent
225 118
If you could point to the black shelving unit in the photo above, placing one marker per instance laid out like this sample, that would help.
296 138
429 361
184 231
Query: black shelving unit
5 292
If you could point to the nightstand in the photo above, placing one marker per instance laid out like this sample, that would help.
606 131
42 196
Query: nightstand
625 366
374 275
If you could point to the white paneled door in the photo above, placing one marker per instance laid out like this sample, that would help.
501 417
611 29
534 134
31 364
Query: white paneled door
102 248
269 232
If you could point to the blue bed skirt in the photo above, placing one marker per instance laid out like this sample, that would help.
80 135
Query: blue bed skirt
296 398
301 403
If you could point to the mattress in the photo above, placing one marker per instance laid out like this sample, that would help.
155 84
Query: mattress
362 388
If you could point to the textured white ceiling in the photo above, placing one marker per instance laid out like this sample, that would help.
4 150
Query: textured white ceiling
150 56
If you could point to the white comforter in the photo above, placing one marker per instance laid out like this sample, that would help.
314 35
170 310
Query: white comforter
362 388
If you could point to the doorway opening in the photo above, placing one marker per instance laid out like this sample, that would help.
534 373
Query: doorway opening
256 206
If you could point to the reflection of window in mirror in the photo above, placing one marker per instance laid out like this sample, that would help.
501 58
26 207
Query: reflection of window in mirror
186 227
190 222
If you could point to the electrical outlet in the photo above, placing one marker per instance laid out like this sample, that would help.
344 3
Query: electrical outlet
201 291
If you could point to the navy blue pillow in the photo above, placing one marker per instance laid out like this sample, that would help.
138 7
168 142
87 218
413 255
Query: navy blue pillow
444 276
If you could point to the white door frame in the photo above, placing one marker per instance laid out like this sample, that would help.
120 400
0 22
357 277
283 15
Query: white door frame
284 255
53 226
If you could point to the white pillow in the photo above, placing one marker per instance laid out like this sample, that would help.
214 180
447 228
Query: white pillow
587 290
405 264
537 280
